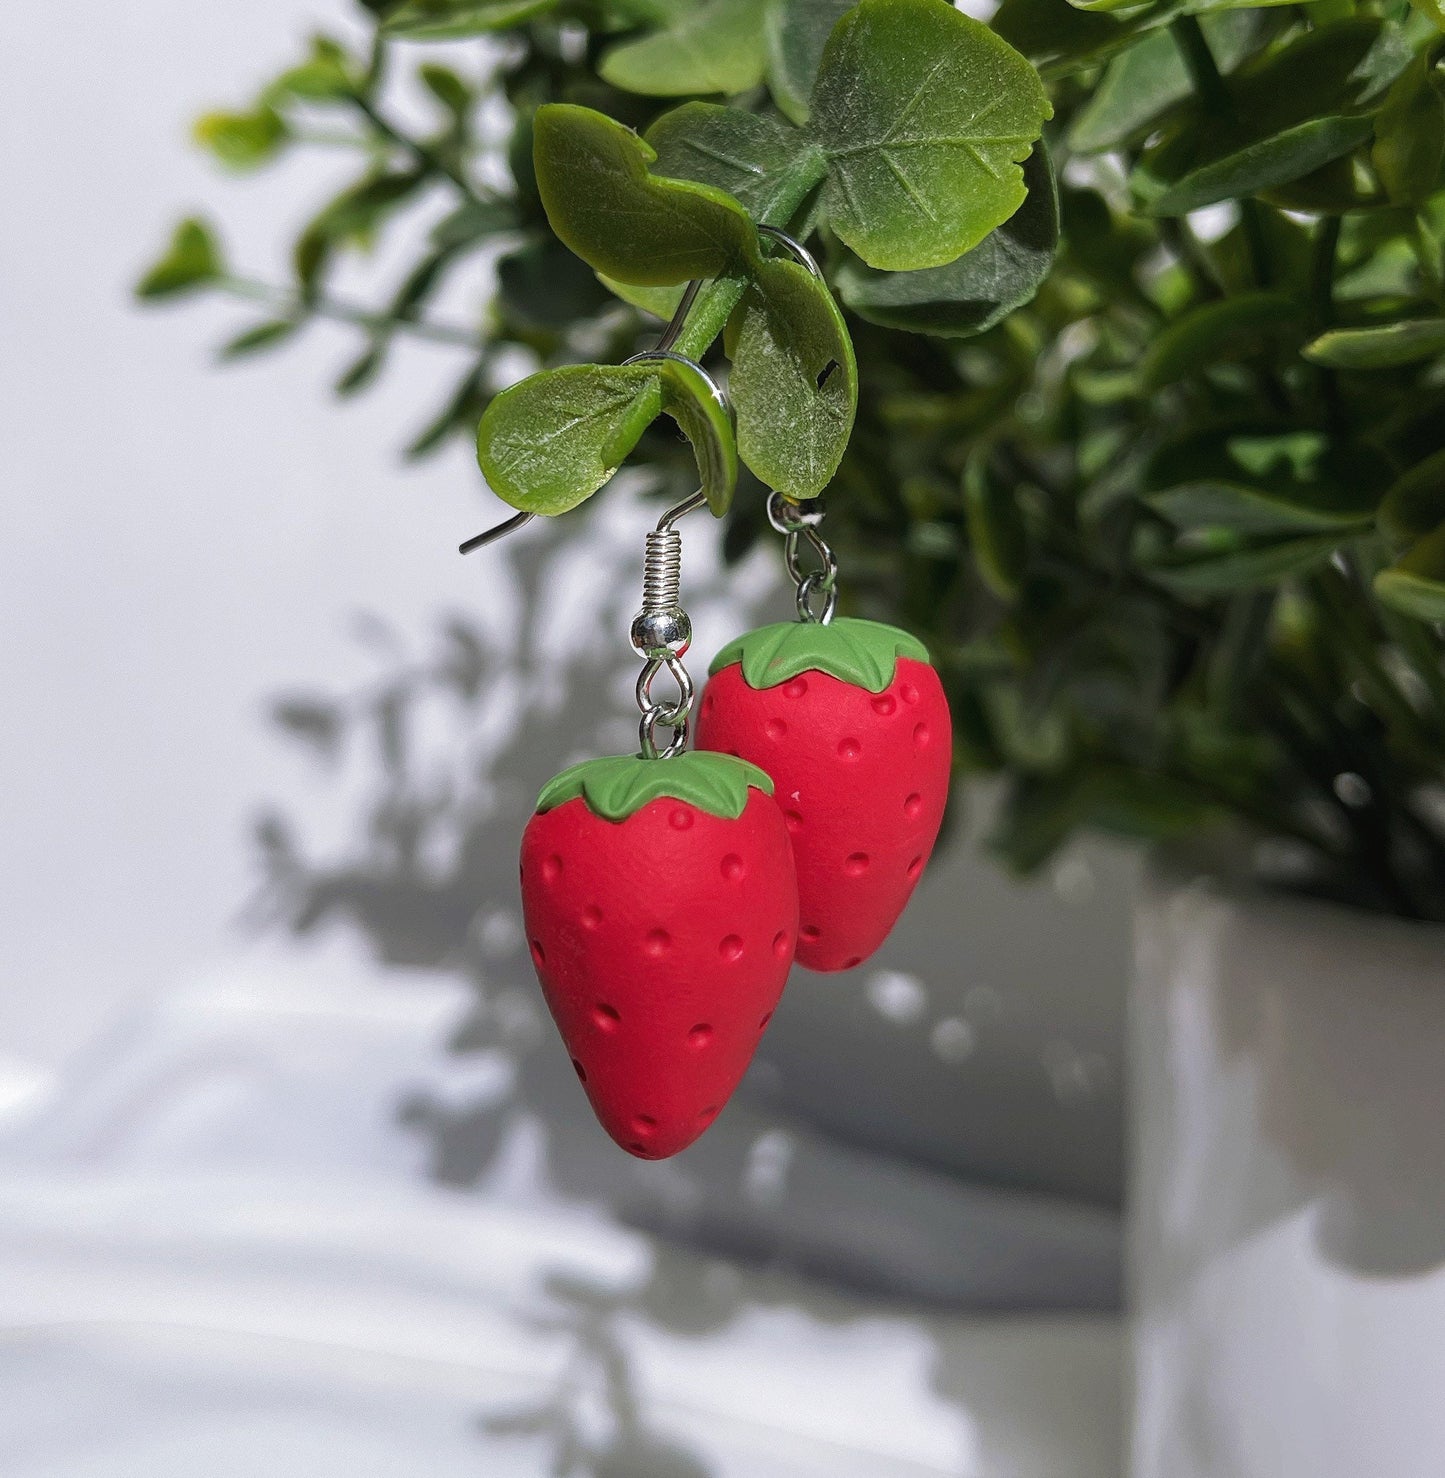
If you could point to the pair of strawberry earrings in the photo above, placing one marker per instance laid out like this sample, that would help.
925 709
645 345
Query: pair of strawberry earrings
666 894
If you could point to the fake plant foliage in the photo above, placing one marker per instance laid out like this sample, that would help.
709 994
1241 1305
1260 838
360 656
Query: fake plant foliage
1127 388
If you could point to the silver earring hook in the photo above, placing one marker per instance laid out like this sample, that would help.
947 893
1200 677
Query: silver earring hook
795 249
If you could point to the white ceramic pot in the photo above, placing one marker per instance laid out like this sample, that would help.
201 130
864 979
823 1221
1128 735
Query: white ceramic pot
1287 1230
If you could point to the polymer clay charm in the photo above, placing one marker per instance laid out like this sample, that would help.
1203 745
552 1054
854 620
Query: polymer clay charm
850 721
661 911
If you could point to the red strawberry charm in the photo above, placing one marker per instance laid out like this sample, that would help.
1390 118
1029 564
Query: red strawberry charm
851 722
661 909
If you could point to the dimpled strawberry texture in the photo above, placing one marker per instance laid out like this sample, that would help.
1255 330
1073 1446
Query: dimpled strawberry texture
861 779
662 943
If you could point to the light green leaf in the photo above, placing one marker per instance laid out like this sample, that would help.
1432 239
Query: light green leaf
549 442
864 653
1385 347
1432 10
925 116
192 261
661 302
621 785
326 75
1416 583
794 380
796 33
1232 329
744 154
243 140
593 177
716 47
268 335
446 20
983 286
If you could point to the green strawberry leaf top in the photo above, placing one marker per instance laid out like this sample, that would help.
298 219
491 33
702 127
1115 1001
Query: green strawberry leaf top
864 653
616 787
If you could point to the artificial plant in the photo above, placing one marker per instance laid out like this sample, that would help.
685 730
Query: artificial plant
1134 408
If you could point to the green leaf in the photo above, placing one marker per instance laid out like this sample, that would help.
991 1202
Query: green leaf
794 380
1261 165
618 787
1415 504
477 220
1291 112
971 295
1432 10
192 261
549 442
796 31
604 204
1416 583
1145 81
1385 347
661 302
1409 148
996 530
352 218
1057 37
1235 328
925 116
266 335
243 140
327 75
446 20
716 47
544 286
1241 564
1262 481
864 653
446 87
741 153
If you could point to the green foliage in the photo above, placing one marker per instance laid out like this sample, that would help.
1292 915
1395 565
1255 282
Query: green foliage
1164 493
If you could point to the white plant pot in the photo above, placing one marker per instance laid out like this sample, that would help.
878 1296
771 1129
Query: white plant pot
1287 1230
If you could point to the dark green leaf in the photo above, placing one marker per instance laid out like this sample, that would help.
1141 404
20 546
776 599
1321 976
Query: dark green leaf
1415 504
741 153
603 203
1409 145
796 33
192 261
1145 81
1385 347
715 47
1231 564
982 287
1232 329
544 286
794 381
925 116
364 369
996 530
477 220
446 87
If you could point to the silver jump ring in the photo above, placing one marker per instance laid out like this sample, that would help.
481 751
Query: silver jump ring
673 716
799 521
795 249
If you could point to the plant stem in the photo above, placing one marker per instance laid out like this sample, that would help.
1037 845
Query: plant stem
289 304
717 299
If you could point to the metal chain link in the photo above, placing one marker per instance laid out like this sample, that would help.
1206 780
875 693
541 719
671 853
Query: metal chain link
797 522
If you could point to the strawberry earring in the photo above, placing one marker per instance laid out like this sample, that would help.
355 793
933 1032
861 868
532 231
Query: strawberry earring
850 720
660 902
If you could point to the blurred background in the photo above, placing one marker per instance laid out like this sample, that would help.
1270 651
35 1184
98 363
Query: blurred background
293 1174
